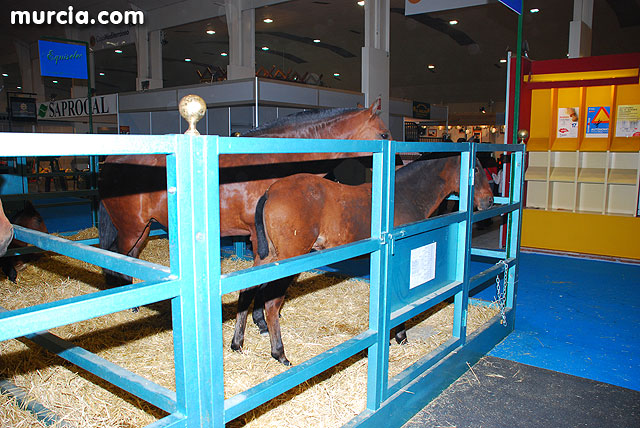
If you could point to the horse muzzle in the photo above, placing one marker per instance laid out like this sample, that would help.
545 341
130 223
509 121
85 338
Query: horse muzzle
485 203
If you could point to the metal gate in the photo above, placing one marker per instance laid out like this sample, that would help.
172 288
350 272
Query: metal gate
195 285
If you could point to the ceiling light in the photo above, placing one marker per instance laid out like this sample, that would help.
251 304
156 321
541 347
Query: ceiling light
336 74
268 20
5 75
431 66
361 3
316 40
118 51
534 10
211 32
482 110
18 87
265 48
503 60
453 22
55 81
187 60
101 73
224 54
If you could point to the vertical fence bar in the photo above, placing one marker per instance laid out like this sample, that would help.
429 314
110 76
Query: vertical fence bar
513 237
382 191
467 164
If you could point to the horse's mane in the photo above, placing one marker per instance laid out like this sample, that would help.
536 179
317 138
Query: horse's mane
302 118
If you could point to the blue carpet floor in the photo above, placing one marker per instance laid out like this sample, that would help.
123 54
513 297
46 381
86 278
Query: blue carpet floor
577 316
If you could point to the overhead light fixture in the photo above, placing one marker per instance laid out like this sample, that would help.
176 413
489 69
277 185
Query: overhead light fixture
223 54
453 22
265 48
316 40
101 73
503 60
18 87
534 10
267 20
336 74
210 32
55 81
187 60
5 75
482 110
431 66
361 3
118 51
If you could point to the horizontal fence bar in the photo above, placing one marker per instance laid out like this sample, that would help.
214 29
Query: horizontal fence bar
489 253
413 146
39 144
424 303
495 211
422 226
238 145
175 420
259 394
114 261
45 316
261 274
490 273
484 147
137 385
409 374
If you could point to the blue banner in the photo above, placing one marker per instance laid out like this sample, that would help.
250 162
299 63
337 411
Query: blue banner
62 59
514 5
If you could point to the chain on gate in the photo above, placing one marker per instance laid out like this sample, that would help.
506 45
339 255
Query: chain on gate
501 291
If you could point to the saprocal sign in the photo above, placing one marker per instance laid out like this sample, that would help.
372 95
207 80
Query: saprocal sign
62 59
78 107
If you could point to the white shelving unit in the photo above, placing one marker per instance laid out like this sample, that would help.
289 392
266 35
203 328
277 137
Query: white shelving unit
579 181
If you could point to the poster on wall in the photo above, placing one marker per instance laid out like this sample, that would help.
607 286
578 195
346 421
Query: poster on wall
568 122
598 121
628 121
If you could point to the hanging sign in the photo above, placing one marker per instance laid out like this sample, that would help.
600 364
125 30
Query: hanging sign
568 122
62 59
77 107
598 121
423 265
421 110
628 121
413 7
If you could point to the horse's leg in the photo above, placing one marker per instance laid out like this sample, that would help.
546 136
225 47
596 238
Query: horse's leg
273 299
258 298
108 237
244 300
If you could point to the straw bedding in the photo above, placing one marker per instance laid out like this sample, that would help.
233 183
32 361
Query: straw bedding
320 312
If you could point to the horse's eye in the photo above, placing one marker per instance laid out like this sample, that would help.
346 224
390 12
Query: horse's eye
384 136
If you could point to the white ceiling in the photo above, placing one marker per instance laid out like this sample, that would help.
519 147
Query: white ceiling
466 56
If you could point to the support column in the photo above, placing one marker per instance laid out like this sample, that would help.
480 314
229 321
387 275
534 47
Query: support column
580 29
155 59
242 41
149 58
29 64
375 55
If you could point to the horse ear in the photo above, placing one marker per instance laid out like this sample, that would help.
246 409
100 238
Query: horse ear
376 106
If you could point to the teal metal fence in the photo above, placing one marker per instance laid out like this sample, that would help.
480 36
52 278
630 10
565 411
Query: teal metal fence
194 283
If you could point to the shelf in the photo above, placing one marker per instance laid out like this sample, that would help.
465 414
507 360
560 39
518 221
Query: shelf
562 173
536 173
623 176
591 175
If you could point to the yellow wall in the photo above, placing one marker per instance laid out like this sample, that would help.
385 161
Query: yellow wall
607 235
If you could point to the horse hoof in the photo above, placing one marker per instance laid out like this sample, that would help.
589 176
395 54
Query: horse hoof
236 348
282 359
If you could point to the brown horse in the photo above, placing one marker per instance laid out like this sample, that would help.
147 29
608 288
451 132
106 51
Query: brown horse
304 212
31 219
133 187
6 231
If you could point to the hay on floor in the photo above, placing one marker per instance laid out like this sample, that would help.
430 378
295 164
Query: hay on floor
320 312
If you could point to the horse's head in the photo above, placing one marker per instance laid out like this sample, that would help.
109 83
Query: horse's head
482 192
6 231
369 126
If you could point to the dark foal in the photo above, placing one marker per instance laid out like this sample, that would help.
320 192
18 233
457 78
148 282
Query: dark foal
31 219
304 212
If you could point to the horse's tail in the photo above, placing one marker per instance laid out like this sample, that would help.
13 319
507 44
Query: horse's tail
263 245
107 232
